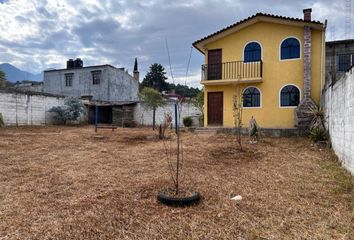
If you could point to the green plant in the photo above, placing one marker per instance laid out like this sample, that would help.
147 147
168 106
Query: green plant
318 134
71 110
155 78
198 102
2 79
317 115
151 99
318 130
187 121
2 123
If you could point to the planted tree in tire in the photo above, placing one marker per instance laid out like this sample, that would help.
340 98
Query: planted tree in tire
177 196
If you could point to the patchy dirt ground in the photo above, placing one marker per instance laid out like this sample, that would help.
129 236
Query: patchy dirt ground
71 183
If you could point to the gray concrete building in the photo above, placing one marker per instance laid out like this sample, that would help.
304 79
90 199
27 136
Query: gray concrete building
29 86
112 90
339 58
98 83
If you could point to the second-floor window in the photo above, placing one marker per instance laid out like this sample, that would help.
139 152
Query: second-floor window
69 79
290 49
96 77
252 52
345 61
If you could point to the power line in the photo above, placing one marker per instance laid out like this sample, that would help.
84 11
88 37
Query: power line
189 61
169 61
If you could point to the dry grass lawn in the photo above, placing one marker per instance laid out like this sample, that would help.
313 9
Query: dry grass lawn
66 183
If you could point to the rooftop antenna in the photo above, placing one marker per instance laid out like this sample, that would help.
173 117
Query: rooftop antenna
348 18
169 60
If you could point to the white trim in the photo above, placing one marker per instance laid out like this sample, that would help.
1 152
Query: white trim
244 46
290 59
300 97
260 97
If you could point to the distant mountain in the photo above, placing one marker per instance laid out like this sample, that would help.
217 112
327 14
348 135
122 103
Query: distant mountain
13 74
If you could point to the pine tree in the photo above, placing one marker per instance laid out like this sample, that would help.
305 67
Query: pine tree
156 78
2 79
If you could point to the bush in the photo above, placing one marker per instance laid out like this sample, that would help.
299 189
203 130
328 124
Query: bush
201 120
2 124
71 110
187 121
318 134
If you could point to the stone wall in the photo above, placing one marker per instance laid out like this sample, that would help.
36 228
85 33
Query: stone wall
145 117
338 101
27 108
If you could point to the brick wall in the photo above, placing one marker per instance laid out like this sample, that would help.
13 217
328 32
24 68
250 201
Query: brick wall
20 108
338 100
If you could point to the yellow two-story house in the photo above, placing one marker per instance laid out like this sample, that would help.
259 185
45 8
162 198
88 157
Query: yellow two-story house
275 63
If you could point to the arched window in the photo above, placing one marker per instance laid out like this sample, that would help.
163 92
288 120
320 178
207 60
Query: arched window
290 48
251 97
253 52
289 96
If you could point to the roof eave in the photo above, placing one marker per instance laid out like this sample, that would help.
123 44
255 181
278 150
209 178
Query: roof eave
244 23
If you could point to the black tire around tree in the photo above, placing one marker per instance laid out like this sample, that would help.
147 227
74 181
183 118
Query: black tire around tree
178 201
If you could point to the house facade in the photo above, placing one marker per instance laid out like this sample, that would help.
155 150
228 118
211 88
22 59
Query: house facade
339 58
98 83
107 91
273 64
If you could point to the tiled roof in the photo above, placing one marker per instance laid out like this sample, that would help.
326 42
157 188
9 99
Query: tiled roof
257 15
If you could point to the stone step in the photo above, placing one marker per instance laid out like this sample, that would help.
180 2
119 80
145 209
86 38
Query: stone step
205 130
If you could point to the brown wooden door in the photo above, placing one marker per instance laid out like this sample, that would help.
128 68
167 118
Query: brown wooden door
215 108
214 64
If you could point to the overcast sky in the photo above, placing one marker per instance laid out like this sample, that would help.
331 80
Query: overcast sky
39 34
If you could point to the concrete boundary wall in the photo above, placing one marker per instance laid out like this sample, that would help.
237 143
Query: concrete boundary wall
338 101
145 117
27 108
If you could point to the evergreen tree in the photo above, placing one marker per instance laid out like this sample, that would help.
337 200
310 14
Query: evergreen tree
156 78
2 79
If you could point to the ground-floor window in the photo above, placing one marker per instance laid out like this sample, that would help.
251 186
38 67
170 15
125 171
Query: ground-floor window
289 96
251 97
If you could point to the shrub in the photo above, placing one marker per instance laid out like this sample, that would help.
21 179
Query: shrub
318 134
187 121
71 111
2 123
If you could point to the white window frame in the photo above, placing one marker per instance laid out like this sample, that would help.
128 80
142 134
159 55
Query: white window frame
244 47
300 97
290 59
260 97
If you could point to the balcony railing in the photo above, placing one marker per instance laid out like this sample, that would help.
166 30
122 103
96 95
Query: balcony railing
232 70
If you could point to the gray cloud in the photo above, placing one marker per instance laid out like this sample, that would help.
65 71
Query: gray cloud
42 34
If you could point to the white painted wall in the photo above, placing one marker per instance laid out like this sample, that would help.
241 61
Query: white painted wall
145 117
27 109
338 101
